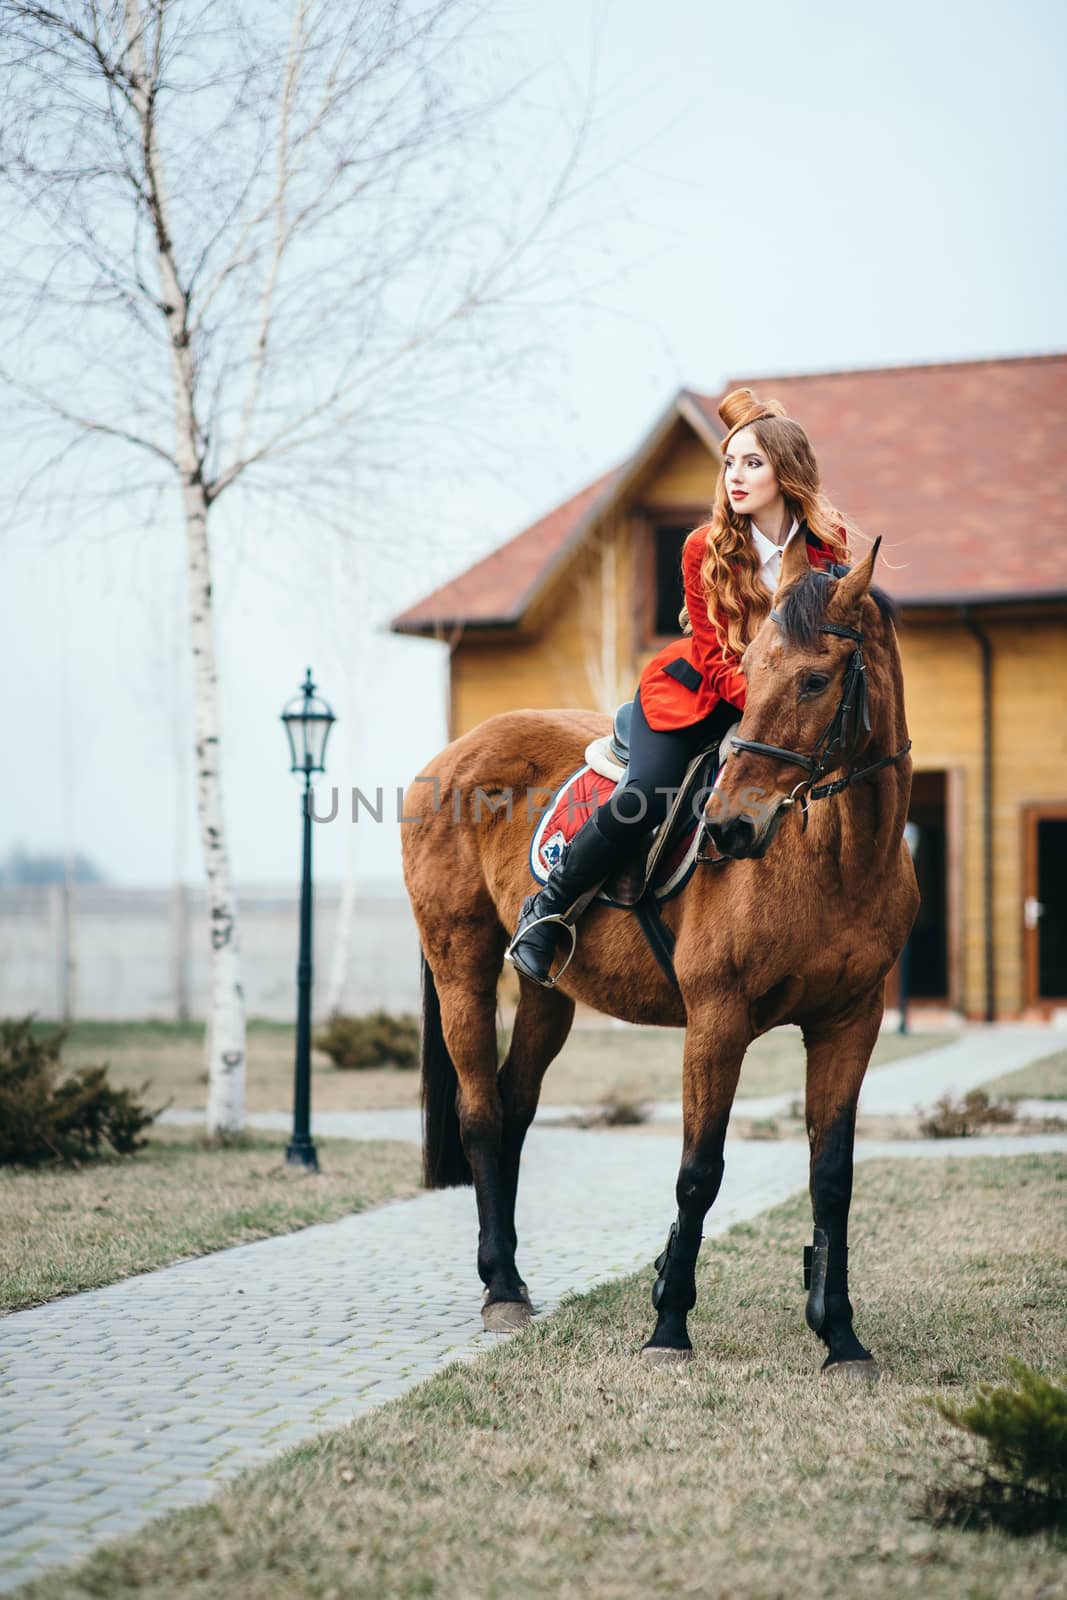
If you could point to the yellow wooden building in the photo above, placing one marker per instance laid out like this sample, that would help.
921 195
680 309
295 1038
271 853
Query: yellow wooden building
961 468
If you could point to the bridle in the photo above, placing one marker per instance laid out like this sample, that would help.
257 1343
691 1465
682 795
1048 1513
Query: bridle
852 714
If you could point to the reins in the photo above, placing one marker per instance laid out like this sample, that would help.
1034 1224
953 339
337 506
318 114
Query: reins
853 714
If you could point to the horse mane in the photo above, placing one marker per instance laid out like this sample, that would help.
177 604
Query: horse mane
804 608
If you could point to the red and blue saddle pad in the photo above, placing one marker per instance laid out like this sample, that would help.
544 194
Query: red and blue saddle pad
572 804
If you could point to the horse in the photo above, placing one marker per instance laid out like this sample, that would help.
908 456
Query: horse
804 914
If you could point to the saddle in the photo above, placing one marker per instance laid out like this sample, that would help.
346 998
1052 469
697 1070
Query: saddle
664 862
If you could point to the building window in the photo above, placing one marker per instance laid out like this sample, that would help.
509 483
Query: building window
667 541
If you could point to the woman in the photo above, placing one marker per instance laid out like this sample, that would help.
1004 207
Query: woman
767 493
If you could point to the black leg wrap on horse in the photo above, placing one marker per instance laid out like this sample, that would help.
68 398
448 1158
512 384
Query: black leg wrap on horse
828 1312
676 1262
836 1280
822 1278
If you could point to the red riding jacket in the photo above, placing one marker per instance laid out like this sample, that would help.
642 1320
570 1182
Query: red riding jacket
687 679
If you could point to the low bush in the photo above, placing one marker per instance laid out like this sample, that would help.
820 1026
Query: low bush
952 1119
618 1108
1021 1485
45 1117
380 1040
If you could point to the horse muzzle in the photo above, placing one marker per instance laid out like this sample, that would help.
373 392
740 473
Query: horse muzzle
745 838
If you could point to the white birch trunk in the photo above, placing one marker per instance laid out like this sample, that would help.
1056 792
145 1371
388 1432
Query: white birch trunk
225 1042
179 893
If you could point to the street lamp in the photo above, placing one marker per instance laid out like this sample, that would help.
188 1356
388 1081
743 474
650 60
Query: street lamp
308 720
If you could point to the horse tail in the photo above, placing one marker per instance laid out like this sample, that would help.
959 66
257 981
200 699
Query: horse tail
444 1165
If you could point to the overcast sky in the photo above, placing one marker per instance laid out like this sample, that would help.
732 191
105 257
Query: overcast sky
786 189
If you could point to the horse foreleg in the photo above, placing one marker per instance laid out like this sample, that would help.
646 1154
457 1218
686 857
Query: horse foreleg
542 1022
468 1021
715 1046
838 1054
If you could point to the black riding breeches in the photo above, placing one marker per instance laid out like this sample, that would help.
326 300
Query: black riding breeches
658 762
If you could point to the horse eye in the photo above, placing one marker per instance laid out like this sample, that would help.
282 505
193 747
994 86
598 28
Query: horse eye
816 683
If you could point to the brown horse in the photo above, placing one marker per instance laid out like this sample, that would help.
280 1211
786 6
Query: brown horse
801 932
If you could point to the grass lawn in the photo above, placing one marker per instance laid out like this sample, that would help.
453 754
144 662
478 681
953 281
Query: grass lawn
67 1229
559 1466
1041 1080
644 1062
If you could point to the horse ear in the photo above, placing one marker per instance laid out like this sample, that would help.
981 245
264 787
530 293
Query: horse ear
851 589
795 565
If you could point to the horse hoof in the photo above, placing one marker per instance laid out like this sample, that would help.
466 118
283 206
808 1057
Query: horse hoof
861 1371
506 1316
654 1355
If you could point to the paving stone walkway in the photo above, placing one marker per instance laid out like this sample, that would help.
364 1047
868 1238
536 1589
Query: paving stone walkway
897 1089
128 1401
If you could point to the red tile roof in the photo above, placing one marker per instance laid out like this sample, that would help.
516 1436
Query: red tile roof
960 466
496 590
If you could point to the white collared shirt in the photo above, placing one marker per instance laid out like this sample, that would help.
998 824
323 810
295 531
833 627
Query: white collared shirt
770 555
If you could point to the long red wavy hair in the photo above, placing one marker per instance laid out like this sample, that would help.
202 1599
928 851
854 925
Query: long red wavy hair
738 603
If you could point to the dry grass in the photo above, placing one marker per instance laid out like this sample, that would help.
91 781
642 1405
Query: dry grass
62 1230
1041 1080
635 1063
559 1466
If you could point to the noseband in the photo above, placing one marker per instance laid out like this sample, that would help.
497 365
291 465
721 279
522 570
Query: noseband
852 714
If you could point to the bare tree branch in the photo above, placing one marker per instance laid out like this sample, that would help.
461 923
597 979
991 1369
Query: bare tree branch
258 243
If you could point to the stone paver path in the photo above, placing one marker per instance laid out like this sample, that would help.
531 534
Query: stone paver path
896 1089
124 1402
916 1082
968 1062
127 1401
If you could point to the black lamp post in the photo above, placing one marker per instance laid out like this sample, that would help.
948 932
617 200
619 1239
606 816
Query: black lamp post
308 721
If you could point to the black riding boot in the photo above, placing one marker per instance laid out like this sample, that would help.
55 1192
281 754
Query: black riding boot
586 862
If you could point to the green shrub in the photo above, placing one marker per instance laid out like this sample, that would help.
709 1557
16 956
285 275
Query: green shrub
1022 1485
359 1043
44 1117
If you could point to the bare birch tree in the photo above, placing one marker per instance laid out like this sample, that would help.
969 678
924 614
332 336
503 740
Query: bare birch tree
250 244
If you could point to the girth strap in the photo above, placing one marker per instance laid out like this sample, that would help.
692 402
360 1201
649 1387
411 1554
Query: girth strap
658 936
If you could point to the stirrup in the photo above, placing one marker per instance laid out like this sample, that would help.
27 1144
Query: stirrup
554 916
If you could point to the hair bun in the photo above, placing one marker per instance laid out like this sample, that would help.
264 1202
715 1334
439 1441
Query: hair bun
741 406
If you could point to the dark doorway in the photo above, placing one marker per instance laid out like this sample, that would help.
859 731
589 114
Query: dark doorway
1045 906
668 540
928 951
